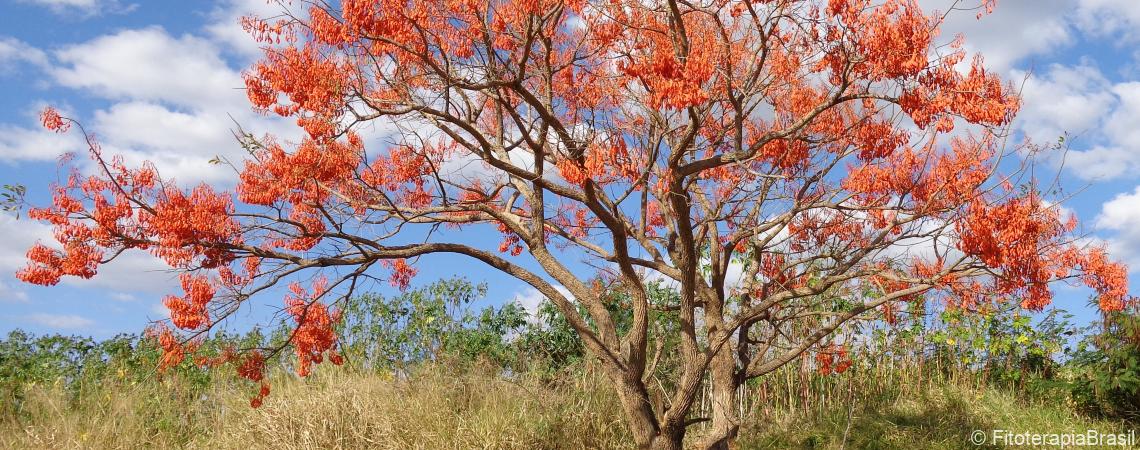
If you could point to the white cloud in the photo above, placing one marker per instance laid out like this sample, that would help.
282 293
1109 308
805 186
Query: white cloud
530 299
159 311
68 321
133 271
1101 118
1015 30
14 53
172 99
226 28
1121 215
19 236
122 297
1102 163
174 102
1018 30
1063 99
168 130
1124 124
1117 152
35 144
179 144
1118 18
149 64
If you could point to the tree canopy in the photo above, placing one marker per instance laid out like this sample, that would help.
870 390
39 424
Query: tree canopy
785 165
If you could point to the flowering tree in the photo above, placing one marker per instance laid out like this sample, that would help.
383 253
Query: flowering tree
785 164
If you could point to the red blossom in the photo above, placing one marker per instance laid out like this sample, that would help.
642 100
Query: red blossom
51 120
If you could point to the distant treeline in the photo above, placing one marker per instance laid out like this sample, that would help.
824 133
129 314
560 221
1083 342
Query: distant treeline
1097 367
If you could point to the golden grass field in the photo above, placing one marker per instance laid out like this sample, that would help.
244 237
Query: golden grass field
440 407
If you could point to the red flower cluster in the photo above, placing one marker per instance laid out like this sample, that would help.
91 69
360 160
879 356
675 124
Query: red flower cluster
51 120
190 312
1019 239
832 359
314 334
402 273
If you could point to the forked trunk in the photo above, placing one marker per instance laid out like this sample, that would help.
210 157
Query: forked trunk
668 440
639 416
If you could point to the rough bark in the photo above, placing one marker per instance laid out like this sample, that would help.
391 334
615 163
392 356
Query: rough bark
725 422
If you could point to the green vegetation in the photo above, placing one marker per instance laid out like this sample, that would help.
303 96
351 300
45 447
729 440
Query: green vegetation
427 369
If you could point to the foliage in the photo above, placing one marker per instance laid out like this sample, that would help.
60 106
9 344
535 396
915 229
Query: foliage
424 324
1107 363
1004 344
74 361
12 197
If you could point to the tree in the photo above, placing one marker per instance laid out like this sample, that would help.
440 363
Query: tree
785 164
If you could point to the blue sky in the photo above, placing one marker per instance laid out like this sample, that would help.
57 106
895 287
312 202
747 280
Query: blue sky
160 80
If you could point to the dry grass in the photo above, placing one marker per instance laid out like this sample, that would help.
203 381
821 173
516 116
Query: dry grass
434 408
118 416
431 409
439 407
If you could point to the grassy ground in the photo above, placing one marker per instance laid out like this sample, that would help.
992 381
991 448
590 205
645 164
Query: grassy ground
438 407
938 418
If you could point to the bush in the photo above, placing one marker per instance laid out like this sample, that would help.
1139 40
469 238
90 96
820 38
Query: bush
1107 368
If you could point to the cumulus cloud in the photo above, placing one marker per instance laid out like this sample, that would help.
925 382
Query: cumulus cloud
180 144
1015 30
19 236
530 299
173 101
33 143
1100 163
132 271
14 53
1121 217
1076 99
1101 118
150 64
122 297
1018 30
1123 122
1109 17
1063 99
225 27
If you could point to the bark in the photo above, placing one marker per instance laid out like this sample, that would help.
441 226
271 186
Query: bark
638 410
725 423
669 439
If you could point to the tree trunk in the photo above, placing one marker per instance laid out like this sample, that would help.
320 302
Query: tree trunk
639 415
669 439
725 423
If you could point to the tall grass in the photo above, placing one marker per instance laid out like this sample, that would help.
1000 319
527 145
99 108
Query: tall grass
464 406
435 406
116 414
897 406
